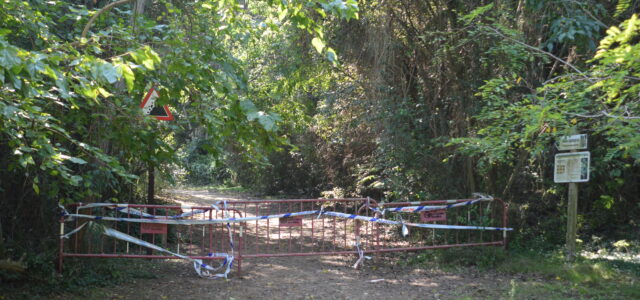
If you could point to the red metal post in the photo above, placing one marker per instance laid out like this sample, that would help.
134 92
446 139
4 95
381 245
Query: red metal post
240 246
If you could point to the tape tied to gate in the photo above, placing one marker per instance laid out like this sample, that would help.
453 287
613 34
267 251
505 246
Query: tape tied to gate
202 269
128 210
361 256
420 208
69 217
206 271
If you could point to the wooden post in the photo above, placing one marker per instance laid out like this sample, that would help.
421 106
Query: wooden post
572 221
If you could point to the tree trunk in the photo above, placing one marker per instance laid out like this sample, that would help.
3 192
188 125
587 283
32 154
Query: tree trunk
138 9
152 184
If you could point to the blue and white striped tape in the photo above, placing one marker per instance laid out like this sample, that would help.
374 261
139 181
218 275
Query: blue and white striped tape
125 209
419 208
206 271
294 214
201 268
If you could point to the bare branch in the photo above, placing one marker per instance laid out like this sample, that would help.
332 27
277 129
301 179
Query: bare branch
541 51
101 11
604 113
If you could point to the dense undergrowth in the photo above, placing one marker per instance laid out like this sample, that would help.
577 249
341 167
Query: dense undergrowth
396 100
80 277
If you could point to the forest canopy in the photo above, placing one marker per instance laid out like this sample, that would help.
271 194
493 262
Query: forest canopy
396 100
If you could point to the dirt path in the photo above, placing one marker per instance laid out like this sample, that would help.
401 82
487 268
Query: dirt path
307 277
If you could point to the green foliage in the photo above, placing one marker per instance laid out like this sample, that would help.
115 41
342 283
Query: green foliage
468 18
79 277
70 124
426 100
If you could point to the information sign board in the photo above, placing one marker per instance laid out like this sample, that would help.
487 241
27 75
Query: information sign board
572 167
572 142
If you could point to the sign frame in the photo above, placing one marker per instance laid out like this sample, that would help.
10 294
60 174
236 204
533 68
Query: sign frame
148 106
569 167
573 142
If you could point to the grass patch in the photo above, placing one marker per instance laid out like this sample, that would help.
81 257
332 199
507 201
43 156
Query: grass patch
584 278
538 275
483 258
562 290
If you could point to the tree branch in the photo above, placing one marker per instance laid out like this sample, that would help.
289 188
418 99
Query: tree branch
541 51
101 11
605 113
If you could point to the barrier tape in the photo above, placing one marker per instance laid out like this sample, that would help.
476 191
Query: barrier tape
205 270
419 208
391 222
294 214
361 256
124 208
202 269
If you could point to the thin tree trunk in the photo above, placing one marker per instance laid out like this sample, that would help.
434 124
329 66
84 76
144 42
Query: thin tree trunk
138 10
152 184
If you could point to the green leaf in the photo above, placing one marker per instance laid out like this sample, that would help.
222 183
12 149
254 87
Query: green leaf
72 159
318 44
25 160
109 73
9 57
267 122
125 71
88 92
77 160
332 56
50 72
283 14
468 18
36 188
146 57
248 106
152 54
621 7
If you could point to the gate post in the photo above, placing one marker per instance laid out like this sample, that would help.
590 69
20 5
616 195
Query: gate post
240 246
61 246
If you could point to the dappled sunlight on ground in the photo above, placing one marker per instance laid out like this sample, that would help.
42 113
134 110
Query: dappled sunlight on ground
203 197
315 278
615 255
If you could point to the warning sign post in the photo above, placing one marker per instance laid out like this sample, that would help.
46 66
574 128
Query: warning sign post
148 106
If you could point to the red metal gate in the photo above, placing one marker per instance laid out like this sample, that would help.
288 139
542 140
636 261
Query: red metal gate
313 234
